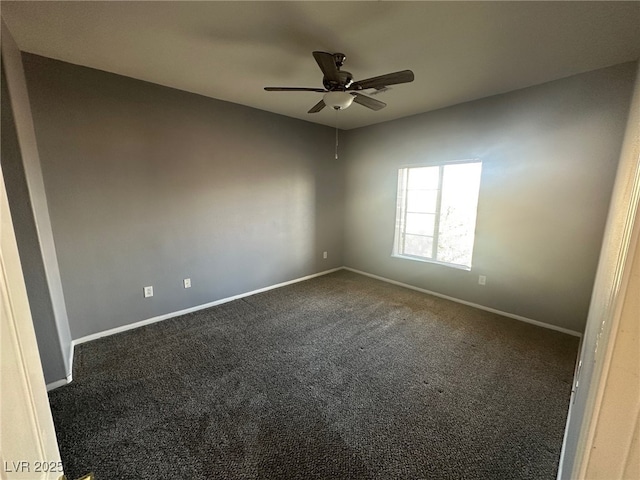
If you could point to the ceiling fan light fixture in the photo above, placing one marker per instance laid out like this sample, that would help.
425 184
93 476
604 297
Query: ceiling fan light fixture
338 100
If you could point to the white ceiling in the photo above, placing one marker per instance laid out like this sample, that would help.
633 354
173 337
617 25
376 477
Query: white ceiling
459 51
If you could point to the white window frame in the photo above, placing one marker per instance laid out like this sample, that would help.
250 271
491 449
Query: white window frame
401 219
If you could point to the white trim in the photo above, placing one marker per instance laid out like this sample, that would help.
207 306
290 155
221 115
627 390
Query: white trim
28 431
59 383
464 302
56 384
131 326
607 302
437 163
430 260
71 352
572 398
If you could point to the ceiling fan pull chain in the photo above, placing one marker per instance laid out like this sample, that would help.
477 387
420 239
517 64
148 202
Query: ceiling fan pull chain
336 139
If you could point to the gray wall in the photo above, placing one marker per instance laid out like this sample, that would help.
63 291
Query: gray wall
29 249
148 185
29 211
549 157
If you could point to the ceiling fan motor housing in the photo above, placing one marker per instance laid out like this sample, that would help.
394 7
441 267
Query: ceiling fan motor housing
345 80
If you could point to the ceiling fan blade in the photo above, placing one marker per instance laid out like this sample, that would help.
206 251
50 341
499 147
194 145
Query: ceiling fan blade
294 89
404 76
327 63
368 102
317 107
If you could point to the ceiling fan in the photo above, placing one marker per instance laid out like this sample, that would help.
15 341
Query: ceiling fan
340 90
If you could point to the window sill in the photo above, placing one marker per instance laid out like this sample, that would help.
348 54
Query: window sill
427 260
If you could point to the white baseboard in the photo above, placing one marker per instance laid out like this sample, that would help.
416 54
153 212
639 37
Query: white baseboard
72 351
124 328
167 316
58 383
464 302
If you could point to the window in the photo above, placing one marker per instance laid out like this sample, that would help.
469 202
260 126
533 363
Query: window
436 212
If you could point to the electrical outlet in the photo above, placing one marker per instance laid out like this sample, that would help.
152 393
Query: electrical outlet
324 255
148 292
482 280
187 283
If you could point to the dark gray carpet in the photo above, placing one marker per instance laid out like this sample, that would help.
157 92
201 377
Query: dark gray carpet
341 376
